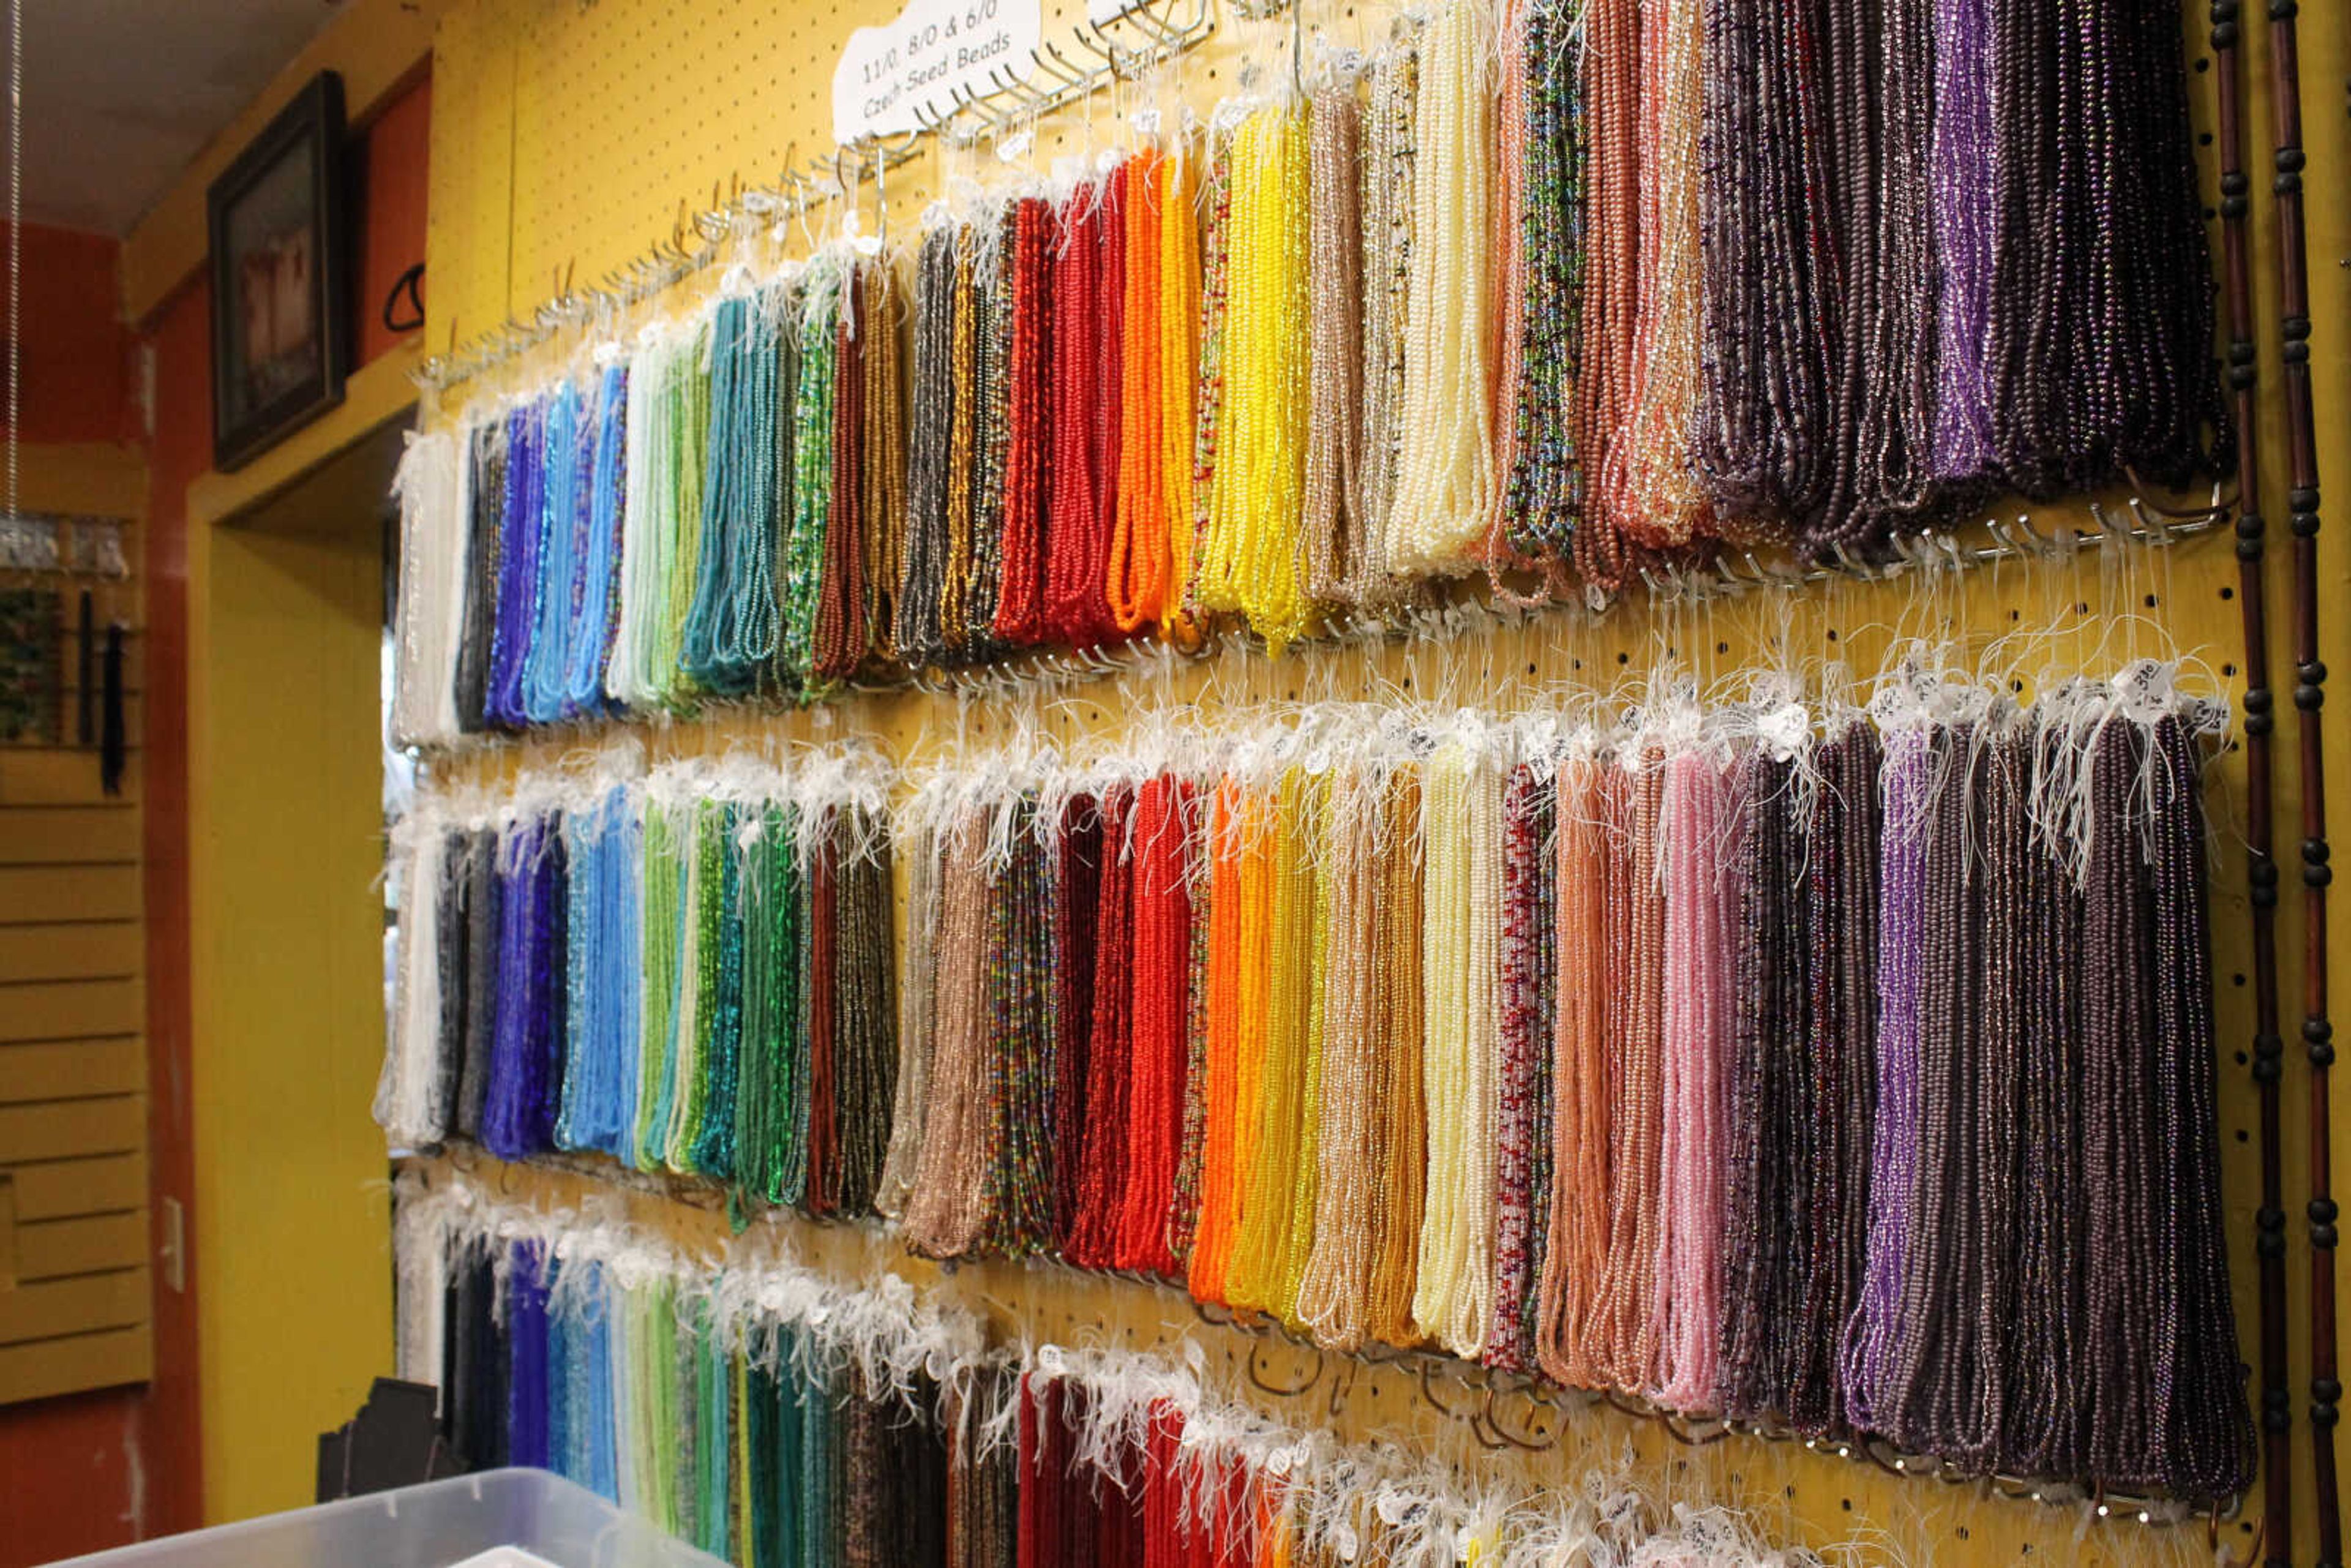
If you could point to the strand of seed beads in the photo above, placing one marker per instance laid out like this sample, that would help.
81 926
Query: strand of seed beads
839 638
1529 384
1332 1293
1106 420
883 469
1840 858
917 1013
1072 589
689 427
2209 1444
1447 489
1698 1010
1028 462
865 1009
962 440
1107 1132
1134 580
1527 1005
1280 1154
1763 1143
918 635
1075 850
1308 966
1182 310
1445 1066
1020 1044
1649 480
992 366
1210 413
1575 1254
1400 1141
946 1210
1331 525
1605 553
1162 952
813 424
1184 1204
1220 1066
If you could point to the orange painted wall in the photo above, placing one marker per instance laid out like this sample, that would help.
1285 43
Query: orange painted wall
91 1471
388 181
88 1471
77 351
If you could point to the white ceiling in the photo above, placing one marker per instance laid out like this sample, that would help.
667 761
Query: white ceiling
120 94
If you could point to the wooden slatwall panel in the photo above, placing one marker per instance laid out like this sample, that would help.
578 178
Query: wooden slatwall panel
75 1282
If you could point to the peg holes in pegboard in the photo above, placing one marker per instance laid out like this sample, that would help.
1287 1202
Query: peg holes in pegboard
685 96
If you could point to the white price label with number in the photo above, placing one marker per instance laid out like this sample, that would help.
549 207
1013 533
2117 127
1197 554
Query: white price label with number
934 46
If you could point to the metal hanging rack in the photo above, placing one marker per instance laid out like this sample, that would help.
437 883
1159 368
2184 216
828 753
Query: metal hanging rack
1123 48
2003 538
1487 1390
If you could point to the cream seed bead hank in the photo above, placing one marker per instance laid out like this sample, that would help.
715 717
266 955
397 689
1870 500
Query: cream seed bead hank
1447 484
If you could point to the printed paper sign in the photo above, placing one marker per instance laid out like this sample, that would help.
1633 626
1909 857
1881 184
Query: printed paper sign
917 61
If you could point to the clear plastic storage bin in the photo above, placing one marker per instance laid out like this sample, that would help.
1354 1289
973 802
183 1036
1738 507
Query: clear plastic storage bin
497 1518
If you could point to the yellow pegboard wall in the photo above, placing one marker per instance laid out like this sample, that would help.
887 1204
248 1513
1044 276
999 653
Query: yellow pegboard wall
567 136
574 132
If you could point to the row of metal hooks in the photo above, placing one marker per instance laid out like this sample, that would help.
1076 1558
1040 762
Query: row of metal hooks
1498 1409
1009 101
2008 538
1124 49
1490 1397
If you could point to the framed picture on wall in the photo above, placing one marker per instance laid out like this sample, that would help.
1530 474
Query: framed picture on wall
281 333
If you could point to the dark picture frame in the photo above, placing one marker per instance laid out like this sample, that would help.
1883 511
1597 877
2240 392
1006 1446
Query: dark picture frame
280 279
